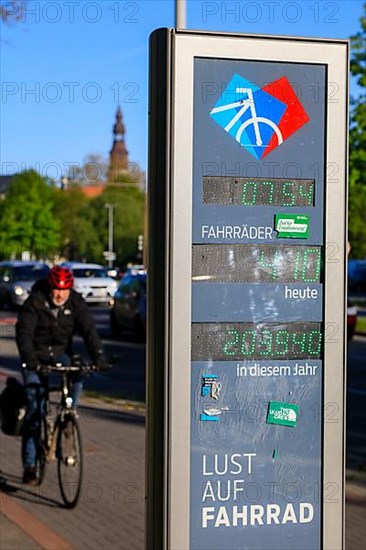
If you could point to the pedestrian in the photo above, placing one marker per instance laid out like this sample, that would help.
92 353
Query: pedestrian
50 317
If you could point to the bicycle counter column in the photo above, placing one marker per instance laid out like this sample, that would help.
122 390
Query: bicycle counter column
248 359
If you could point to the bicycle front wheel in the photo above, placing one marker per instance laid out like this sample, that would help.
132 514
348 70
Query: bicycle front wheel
42 449
70 460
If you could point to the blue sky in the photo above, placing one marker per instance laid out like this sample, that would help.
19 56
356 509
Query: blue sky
68 65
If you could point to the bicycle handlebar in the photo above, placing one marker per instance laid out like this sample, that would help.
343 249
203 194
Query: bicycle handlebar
60 369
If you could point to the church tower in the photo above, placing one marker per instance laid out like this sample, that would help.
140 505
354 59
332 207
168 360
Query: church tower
118 156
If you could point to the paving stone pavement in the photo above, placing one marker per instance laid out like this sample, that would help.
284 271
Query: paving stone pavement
355 516
110 513
13 538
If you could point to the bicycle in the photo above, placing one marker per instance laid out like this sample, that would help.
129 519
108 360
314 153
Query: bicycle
244 105
59 438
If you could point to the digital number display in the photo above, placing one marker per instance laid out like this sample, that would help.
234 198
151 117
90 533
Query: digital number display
241 191
246 341
252 263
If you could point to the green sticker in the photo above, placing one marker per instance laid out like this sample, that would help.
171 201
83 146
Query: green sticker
292 225
284 414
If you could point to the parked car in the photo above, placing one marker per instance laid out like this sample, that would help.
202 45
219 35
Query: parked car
17 279
92 282
357 276
129 307
351 320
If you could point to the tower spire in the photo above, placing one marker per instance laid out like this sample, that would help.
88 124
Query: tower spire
118 156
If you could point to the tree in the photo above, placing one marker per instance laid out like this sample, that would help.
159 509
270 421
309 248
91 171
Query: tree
357 150
78 236
84 221
27 218
11 12
93 170
128 219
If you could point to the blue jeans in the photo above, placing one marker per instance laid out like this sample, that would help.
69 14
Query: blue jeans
36 388
35 393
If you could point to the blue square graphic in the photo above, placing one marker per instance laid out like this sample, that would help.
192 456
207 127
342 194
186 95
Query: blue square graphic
249 115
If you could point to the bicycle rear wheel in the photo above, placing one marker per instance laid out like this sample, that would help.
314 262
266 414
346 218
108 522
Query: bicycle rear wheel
41 456
70 460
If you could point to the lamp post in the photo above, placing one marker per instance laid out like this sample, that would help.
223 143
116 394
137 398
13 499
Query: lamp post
180 14
64 183
110 256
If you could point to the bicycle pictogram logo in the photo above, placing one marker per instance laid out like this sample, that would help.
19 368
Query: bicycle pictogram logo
259 119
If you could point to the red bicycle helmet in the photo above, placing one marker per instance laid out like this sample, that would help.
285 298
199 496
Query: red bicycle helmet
61 278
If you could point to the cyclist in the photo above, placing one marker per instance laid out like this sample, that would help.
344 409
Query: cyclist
47 321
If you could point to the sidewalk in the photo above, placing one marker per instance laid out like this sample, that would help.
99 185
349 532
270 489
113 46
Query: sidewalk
355 516
110 514
13 537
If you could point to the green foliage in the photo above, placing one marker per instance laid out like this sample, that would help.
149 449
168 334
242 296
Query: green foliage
124 180
27 218
357 221
358 60
358 108
78 236
84 221
357 153
361 325
128 215
47 221
357 149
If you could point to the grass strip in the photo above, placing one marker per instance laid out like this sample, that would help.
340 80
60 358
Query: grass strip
361 325
124 405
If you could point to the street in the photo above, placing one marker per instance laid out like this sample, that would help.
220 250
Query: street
125 380
111 510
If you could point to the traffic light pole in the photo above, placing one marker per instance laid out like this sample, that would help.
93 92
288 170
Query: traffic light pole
110 256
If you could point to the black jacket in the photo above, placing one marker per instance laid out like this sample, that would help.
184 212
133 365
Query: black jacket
42 336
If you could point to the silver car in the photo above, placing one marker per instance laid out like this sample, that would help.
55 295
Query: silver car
92 282
17 279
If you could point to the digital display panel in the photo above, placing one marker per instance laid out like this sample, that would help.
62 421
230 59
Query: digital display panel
256 263
245 191
247 341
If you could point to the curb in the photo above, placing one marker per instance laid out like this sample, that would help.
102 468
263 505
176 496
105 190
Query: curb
114 404
118 405
356 492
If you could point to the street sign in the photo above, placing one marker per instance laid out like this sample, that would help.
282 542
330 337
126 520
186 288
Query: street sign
109 256
247 253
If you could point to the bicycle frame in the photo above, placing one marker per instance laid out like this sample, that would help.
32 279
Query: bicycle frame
65 406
